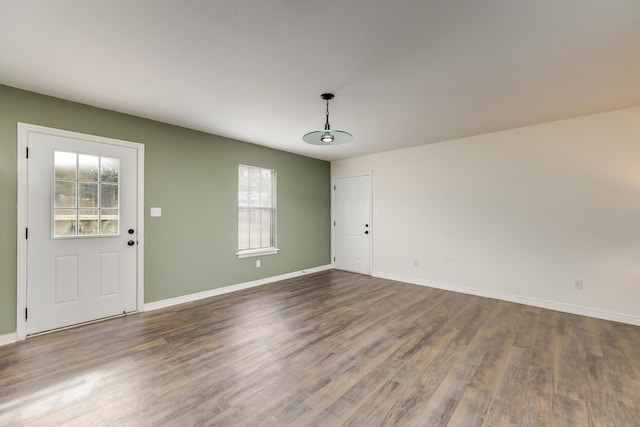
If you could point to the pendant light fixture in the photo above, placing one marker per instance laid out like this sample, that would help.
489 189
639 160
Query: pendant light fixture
327 136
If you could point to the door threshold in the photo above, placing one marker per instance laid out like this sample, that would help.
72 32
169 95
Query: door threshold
77 325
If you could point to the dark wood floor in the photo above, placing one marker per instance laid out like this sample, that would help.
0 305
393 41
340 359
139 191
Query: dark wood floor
329 349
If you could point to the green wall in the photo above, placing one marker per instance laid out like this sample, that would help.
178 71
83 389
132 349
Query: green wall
192 176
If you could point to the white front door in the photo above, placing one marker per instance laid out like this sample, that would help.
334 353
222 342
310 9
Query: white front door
352 224
82 231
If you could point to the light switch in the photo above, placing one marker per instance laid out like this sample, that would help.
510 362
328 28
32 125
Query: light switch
156 212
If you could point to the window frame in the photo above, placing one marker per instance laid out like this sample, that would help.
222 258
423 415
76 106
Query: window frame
270 250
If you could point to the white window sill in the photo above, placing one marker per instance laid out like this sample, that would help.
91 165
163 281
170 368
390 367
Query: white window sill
257 252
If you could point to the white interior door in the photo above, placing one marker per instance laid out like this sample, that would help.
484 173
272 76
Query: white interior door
82 233
352 224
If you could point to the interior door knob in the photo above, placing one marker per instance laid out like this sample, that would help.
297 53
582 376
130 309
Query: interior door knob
131 243
131 231
366 232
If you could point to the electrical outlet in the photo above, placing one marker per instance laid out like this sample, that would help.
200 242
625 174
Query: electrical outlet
577 284
257 263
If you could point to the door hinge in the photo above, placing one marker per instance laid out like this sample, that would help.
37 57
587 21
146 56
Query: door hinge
334 223
334 188
26 313
334 259
26 233
27 152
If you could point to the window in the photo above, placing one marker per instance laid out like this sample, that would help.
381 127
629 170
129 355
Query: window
86 195
256 211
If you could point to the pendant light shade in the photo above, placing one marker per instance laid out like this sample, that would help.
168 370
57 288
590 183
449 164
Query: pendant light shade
327 136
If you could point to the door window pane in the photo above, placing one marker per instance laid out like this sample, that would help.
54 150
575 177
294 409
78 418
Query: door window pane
109 221
109 169
88 167
65 165
109 195
65 194
88 222
86 195
64 222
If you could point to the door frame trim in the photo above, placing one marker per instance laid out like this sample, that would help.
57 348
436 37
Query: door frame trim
333 216
23 137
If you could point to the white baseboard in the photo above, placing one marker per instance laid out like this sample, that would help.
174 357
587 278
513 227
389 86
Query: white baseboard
8 338
552 305
156 305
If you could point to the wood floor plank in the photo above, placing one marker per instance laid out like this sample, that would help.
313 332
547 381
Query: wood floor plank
329 349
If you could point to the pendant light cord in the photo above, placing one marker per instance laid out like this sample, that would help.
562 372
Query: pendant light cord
326 125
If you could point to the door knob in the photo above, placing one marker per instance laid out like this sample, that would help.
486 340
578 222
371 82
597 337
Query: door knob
366 232
131 231
131 243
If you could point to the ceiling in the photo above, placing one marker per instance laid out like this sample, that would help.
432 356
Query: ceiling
404 72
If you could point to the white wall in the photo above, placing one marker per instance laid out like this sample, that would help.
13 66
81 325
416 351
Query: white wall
519 214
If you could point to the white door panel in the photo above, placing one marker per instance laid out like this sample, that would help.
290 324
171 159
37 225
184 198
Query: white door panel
352 230
80 266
